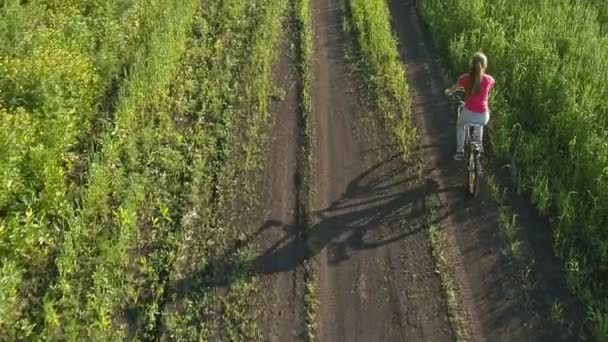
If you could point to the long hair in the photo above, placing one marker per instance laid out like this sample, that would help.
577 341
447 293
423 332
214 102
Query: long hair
478 68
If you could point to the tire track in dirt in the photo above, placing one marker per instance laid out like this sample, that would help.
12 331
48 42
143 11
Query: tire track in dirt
495 309
373 258
282 316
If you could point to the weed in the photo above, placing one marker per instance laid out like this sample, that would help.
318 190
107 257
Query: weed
557 312
444 269
305 48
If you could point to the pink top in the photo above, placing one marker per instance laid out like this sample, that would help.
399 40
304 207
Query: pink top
477 103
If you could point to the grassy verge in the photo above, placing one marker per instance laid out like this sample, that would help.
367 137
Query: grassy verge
311 302
225 89
519 251
376 50
550 124
305 54
510 230
444 269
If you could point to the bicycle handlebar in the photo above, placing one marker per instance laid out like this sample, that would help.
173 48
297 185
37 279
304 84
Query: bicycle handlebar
457 96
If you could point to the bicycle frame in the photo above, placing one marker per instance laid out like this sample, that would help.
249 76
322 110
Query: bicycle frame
472 150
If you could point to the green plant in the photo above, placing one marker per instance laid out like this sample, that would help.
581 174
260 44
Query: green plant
557 312
59 63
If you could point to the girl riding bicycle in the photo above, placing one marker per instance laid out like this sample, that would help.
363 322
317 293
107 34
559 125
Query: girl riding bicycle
477 85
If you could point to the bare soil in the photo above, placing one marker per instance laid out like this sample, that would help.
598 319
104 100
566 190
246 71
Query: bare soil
282 317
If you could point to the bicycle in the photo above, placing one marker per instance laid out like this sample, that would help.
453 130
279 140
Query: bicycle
473 151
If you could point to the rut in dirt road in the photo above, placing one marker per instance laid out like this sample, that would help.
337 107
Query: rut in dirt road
374 265
282 318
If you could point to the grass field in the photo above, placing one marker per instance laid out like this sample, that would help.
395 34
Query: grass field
133 135
72 96
121 129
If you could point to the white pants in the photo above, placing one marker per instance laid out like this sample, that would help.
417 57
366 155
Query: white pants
468 117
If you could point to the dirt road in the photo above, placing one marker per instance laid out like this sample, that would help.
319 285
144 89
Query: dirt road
376 275
368 238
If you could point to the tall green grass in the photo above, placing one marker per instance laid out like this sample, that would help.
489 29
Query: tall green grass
95 263
550 61
58 60
602 11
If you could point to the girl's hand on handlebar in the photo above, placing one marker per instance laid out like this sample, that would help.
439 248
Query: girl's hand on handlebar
448 92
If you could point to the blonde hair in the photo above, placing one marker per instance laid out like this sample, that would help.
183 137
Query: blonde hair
478 68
